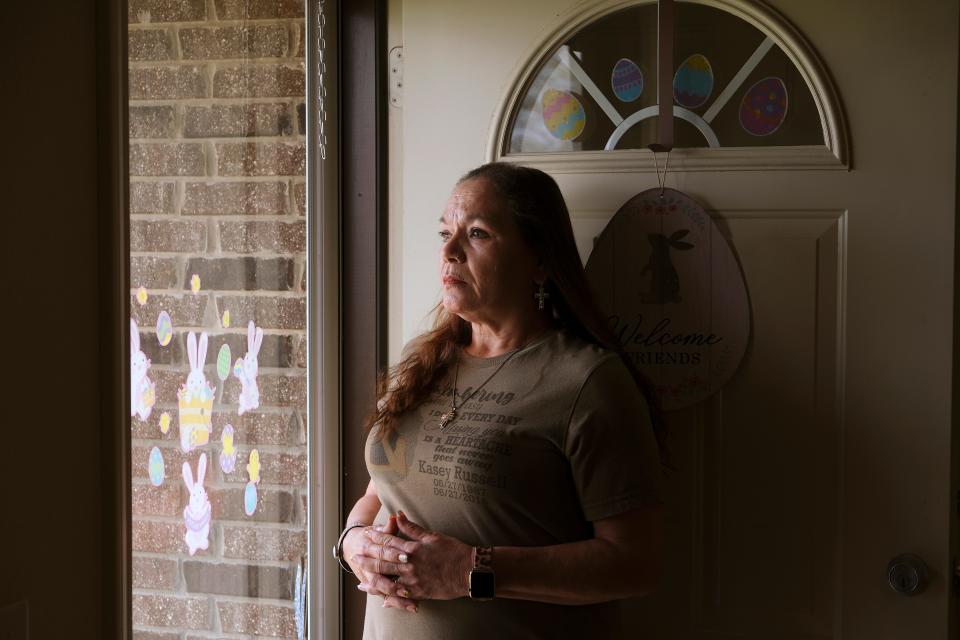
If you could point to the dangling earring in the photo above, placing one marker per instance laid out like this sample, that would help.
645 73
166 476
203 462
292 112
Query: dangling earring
541 295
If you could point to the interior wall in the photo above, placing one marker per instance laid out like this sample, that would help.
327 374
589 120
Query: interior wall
441 139
50 469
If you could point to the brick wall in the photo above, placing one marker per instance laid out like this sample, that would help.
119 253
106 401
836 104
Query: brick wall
217 163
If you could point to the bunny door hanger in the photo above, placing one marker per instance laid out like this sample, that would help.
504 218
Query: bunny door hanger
666 277
673 293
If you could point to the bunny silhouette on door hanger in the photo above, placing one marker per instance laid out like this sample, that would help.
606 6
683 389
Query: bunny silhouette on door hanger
664 280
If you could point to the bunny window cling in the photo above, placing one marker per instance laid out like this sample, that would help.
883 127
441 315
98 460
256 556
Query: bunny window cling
246 368
196 515
143 394
195 398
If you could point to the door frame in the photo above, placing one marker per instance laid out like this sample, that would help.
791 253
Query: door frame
113 237
364 273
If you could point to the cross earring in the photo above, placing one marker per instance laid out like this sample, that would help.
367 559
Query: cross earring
541 295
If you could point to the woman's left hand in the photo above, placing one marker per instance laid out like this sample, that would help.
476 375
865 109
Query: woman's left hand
430 565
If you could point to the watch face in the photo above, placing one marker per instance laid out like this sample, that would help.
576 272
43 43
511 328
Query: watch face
481 584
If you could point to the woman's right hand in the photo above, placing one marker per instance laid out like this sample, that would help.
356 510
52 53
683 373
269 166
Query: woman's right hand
355 545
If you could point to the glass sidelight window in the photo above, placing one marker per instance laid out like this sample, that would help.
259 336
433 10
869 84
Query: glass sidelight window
218 318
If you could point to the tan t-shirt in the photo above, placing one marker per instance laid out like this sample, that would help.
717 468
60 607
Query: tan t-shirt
558 438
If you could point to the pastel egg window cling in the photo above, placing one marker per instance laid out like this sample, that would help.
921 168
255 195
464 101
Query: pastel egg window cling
626 80
250 498
143 392
250 492
563 114
228 453
155 467
693 82
223 362
164 328
764 107
253 466
195 398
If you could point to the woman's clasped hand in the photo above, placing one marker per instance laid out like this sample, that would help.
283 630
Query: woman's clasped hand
405 563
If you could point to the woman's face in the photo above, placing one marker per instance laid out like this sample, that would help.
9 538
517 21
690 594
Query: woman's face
486 269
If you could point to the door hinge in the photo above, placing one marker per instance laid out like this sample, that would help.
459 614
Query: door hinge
396 77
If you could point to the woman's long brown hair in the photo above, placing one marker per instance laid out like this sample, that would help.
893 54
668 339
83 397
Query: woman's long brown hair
540 213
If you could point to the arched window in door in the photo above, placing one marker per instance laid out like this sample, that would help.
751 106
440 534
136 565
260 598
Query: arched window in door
743 79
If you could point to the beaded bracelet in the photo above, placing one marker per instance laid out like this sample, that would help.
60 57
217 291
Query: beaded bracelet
338 548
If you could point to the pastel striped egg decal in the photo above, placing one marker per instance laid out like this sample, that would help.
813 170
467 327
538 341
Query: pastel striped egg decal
764 107
563 114
626 80
693 82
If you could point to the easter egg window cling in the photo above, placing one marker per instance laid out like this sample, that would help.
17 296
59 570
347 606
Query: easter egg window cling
764 107
253 466
196 515
228 453
143 392
693 82
250 492
626 80
155 467
225 320
164 328
195 398
223 362
142 296
563 114
247 374
250 498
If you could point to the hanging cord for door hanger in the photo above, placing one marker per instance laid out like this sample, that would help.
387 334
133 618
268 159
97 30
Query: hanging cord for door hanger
661 182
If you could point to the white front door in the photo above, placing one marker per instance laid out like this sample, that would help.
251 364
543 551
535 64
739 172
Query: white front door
829 451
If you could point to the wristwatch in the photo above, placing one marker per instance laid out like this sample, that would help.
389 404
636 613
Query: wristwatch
482 581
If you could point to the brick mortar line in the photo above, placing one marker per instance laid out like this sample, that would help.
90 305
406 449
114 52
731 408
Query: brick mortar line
220 139
226 217
264 526
296 333
203 594
262 255
296 371
297 450
190 102
296 178
215 64
212 178
279 564
300 333
231 523
200 633
258 293
153 555
191 24
219 597
239 484
173 407
198 62
211 253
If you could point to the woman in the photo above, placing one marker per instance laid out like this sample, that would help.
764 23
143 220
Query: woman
512 454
